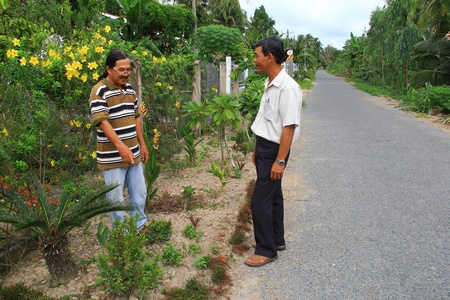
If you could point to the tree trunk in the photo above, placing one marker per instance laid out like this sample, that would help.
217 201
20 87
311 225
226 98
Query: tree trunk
59 260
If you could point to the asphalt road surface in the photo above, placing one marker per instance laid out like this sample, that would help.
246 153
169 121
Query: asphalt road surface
367 204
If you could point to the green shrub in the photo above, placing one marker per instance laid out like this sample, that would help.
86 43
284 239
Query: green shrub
159 231
195 249
171 256
219 275
203 262
20 292
194 290
238 237
192 233
125 267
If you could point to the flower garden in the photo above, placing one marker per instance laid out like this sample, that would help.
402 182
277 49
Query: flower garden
51 191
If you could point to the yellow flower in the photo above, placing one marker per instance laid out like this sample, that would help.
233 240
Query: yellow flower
5 131
98 35
75 123
70 71
99 49
107 28
154 59
33 60
169 87
88 125
83 59
47 63
77 65
52 163
177 104
158 84
23 61
134 51
67 49
12 53
176 118
94 155
84 77
103 40
144 53
71 55
110 42
92 65
95 76
53 54
163 59
16 42
84 50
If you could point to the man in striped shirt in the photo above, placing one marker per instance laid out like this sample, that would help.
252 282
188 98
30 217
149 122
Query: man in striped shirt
120 140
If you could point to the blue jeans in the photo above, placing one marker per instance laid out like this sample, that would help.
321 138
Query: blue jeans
133 178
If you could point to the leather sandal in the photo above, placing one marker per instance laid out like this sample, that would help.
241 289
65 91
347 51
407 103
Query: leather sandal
258 260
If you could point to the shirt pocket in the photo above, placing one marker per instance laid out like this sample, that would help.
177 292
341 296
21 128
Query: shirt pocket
268 110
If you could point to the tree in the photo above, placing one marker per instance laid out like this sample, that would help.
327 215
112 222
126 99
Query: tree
261 26
132 25
228 13
63 17
170 27
215 42
433 53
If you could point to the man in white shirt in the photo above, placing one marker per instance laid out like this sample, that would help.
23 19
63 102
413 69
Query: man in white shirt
276 126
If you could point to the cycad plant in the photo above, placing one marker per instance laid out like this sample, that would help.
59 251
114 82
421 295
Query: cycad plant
51 220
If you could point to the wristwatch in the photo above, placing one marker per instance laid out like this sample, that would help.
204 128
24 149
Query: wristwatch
280 162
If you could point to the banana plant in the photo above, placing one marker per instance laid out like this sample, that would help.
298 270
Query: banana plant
137 17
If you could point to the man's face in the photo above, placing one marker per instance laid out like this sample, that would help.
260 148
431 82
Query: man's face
120 73
261 61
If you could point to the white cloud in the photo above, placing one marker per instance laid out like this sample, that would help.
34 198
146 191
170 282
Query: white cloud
329 20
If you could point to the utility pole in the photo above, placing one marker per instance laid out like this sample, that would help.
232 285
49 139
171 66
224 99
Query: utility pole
304 60
288 37
194 11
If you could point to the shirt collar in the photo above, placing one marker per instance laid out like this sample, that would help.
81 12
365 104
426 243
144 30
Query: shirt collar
109 85
278 79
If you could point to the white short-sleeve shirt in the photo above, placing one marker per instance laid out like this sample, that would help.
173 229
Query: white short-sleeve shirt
280 106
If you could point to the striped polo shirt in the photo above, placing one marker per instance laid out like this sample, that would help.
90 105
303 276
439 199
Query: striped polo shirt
120 109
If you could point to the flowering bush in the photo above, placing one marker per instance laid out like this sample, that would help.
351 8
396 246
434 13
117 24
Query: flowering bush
46 82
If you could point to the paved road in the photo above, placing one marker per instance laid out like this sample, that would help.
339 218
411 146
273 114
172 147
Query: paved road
367 205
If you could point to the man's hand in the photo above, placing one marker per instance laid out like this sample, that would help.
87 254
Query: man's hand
144 153
126 154
276 173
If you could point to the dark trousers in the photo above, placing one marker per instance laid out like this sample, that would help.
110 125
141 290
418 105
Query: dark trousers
267 201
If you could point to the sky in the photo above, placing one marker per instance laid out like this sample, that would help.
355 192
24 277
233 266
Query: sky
331 21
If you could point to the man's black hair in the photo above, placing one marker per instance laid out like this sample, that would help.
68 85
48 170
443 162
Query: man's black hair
274 45
112 58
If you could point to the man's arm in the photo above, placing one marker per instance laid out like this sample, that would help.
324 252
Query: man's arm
141 140
287 135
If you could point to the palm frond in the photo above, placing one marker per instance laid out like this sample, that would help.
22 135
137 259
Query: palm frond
82 204
62 207
42 200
